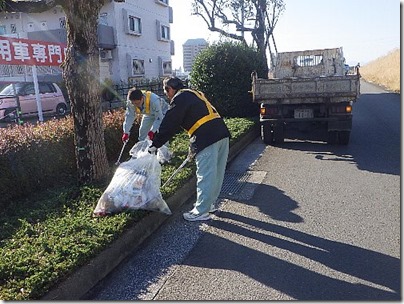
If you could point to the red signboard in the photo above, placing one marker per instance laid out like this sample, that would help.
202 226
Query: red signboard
18 51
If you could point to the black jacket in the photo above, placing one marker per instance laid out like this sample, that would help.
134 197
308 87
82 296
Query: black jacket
186 109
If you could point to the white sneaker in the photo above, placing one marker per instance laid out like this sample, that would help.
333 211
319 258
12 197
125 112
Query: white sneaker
189 216
213 209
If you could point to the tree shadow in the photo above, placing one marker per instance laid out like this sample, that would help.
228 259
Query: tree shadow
291 279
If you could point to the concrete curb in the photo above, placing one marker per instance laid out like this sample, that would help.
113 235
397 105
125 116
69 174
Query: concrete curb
77 285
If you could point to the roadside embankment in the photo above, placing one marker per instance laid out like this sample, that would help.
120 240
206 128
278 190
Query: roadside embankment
384 71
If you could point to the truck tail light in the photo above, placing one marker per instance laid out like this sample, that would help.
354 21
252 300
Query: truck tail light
341 109
269 111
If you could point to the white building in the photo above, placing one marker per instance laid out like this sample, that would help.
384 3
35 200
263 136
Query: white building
133 37
191 48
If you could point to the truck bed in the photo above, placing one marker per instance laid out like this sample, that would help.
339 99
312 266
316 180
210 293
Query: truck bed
307 90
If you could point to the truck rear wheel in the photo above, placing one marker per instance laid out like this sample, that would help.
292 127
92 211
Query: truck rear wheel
271 134
344 137
266 134
332 137
338 137
278 135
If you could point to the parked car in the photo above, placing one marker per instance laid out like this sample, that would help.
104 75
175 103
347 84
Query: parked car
51 96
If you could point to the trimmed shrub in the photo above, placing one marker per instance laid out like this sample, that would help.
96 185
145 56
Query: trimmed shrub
223 73
39 156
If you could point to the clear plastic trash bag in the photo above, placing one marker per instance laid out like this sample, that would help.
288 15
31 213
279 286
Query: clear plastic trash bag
135 185
164 154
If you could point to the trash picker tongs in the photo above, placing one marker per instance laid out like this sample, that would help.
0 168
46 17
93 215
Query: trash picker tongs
120 154
189 157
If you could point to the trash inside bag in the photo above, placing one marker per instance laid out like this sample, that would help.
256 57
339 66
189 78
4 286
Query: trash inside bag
135 185
164 154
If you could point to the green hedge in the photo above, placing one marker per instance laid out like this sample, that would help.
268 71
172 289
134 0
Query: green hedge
223 73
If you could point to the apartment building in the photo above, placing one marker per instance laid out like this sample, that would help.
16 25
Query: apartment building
133 38
190 49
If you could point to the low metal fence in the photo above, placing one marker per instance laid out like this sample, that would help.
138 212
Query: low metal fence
118 93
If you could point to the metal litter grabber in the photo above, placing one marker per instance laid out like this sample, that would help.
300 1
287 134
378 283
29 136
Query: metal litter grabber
189 157
120 154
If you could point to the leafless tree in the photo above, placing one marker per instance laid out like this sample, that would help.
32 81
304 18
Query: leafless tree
233 18
81 75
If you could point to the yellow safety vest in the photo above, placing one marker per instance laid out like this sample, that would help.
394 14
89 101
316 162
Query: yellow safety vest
147 103
206 118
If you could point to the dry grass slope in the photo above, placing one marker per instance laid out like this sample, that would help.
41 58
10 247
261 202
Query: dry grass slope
384 71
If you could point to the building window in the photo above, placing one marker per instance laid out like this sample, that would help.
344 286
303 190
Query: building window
163 32
167 68
132 23
13 28
162 2
135 25
2 29
62 22
138 67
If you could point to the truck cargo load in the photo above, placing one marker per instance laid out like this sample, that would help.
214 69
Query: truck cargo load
313 88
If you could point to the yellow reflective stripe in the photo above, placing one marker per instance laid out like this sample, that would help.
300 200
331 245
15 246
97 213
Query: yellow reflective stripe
201 96
201 121
147 103
210 116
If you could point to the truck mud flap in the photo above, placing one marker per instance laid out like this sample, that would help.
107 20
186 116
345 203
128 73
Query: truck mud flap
272 133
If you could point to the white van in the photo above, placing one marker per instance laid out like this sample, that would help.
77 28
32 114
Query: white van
52 100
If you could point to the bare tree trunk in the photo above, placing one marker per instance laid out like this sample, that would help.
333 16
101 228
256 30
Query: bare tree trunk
259 34
81 75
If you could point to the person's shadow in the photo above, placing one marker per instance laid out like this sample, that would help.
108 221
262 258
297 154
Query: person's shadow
294 280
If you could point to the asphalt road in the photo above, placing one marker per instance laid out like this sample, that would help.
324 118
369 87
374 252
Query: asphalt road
302 221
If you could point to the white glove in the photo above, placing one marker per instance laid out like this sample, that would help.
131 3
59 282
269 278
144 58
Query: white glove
152 150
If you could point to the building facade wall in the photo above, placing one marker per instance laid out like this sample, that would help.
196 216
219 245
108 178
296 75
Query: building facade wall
146 48
191 48
117 59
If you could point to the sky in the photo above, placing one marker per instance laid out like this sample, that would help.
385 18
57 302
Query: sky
365 29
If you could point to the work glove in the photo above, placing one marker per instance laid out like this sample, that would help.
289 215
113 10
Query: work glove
125 137
150 135
152 150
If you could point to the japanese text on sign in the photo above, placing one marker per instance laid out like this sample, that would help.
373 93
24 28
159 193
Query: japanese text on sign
17 51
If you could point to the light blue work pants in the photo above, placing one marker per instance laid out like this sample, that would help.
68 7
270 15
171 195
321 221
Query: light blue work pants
145 126
210 168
